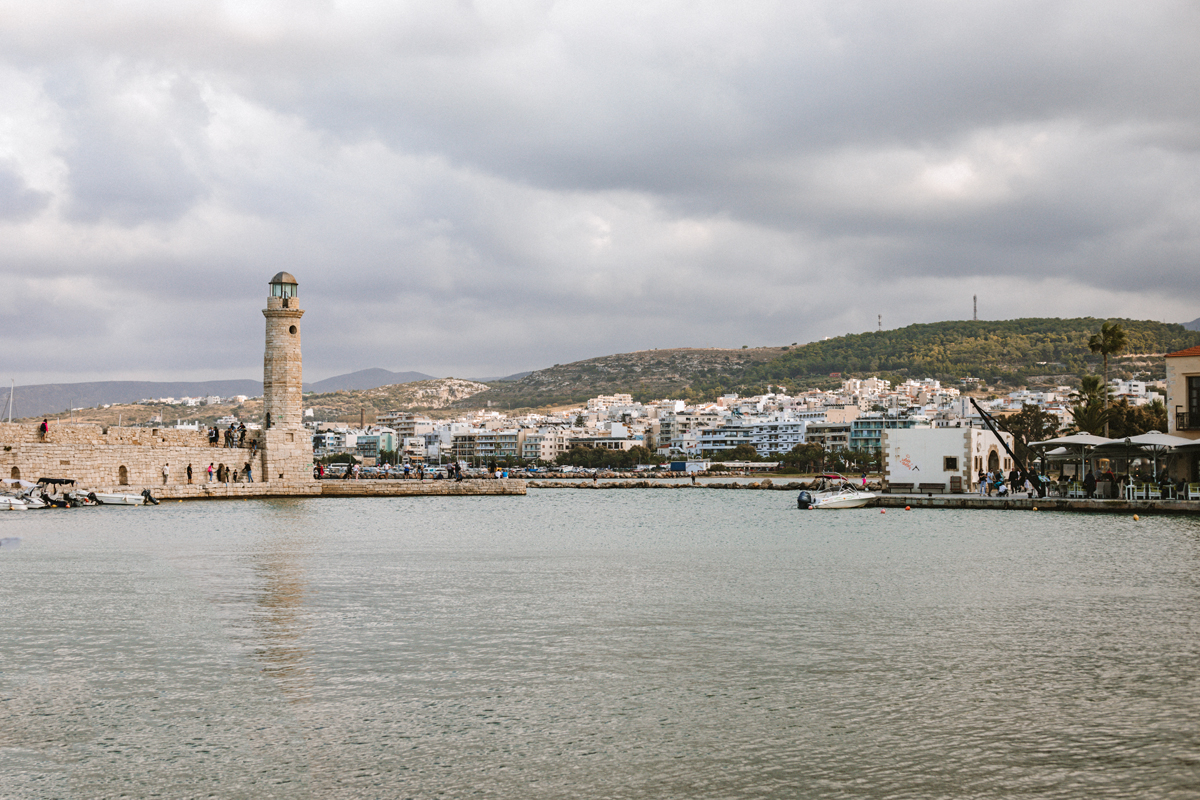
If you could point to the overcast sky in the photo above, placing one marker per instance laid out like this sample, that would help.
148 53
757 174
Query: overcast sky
478 188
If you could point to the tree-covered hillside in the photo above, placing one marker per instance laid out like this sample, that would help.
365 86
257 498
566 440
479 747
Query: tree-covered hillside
1016 351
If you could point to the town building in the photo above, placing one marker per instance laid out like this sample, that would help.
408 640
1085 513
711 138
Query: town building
950 458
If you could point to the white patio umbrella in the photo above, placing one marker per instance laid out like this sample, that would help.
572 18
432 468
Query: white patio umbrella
1081 440
1153 441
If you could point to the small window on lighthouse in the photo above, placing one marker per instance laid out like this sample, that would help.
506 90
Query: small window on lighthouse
292 330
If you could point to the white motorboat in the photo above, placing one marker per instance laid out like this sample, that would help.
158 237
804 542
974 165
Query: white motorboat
834 491
24 495
115 499
10 503
33 499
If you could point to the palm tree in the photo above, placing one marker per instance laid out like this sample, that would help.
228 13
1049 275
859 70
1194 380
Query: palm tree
1109 341
1087 408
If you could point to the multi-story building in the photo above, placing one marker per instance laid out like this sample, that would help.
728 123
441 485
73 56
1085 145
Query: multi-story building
866 432
1183 393
463 445
677 429
413 449
767 436
829 435
504 444
603 402
370 445
406 424
605 442
546 444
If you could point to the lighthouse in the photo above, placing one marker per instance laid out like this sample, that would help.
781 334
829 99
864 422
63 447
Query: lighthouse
287 444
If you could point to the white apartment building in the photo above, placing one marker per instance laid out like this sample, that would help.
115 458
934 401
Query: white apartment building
767 436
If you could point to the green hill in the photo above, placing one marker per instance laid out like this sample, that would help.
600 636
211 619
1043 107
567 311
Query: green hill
1019 352
1014 352
693 373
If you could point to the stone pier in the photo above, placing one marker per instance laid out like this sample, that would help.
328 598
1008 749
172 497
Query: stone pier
335 488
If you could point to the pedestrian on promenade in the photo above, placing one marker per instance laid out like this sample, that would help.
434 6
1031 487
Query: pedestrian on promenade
44 428
189 473
210 472
1089 484
166 473
246 471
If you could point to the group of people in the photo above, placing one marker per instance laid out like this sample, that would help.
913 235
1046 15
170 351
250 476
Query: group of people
234 435
994 482
223 473
354 472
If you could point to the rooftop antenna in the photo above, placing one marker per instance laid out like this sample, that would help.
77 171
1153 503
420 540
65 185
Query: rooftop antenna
975 300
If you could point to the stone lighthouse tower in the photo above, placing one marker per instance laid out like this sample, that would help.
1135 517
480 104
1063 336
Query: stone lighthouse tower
287 444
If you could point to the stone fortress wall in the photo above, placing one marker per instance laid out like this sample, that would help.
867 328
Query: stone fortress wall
106 458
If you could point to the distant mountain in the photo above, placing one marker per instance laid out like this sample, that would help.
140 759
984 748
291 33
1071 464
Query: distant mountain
1194 325
365 379
52 398
516 376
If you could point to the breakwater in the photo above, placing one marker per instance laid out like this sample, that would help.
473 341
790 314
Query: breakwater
361 488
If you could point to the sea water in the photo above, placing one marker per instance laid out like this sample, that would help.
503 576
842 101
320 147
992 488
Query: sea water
584 644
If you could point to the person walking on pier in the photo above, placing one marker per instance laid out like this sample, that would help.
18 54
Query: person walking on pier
210 471
246 471
44 428
189 473
166 473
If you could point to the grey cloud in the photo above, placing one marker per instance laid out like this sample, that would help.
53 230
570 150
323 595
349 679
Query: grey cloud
17 200
480 189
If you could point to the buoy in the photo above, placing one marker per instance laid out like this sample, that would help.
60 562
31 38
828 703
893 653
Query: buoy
1135 517
883 511
1035 508
908 508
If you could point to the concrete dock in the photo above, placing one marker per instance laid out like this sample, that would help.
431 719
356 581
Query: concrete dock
334 488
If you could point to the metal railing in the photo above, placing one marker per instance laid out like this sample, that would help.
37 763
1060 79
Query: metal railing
1187 422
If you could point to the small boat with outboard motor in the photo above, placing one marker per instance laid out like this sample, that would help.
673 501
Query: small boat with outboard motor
118 499
834 491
